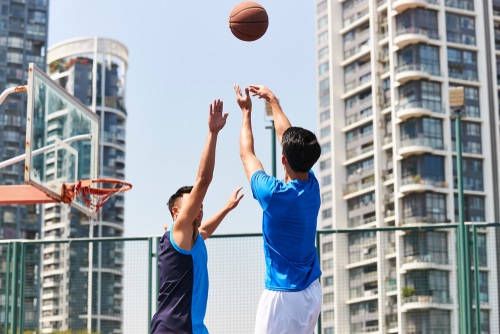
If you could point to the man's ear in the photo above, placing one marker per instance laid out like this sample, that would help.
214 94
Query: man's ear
175 212
283 160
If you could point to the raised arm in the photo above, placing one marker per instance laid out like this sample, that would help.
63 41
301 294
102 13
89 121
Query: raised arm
209 226
183 228
247 153
281 122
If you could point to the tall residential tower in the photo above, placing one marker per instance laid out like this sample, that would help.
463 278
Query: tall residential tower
23 40
94 71
384 72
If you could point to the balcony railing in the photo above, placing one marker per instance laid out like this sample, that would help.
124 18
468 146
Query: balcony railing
439 218
418 31
417 179
434 143
365 113
427 258
438 299
432 70
460 4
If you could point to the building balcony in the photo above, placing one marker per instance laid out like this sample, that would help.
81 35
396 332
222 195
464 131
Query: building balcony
415 262
402 5
417 183
359 116
419 109
442 301
360 221
354 152
460 4
413 35
420 220
420 145
362 48
409 72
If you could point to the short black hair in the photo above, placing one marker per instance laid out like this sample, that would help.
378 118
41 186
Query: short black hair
178 194
300 148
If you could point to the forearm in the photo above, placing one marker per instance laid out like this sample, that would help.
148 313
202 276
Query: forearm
208 227
246 135
207 162
281 122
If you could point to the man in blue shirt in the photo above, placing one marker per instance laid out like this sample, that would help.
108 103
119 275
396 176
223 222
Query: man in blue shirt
182 255
291 301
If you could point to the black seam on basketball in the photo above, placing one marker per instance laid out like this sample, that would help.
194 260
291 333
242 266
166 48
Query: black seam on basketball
242 33
246 9
248 22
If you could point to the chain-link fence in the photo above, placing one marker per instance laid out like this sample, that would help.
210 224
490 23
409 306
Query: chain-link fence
381 280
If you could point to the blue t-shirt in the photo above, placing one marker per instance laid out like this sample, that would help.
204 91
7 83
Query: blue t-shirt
289 230
182 299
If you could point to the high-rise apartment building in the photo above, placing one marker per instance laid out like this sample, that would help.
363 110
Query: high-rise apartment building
384 72
94 71
23 40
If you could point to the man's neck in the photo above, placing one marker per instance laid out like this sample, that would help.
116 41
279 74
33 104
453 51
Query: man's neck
291 175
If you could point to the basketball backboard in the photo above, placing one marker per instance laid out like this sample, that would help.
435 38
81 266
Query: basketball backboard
62 139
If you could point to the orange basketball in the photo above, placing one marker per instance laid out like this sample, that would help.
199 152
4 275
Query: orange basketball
248 21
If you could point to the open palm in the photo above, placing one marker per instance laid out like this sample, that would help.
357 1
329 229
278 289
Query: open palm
243 101
216 119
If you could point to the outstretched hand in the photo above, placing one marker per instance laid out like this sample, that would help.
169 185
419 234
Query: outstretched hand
262 92
216 119
234 199
244 102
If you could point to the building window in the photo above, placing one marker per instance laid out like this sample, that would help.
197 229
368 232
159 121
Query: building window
462 64
323 52
323 37
324 115
328 298
325 164
326 197
323 21
422 56
328 281
327 213
460 29
323 68
472 174
327 264
325 132
326 180
326 147
321 6
327 247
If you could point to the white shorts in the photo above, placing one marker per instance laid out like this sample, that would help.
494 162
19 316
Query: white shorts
289 312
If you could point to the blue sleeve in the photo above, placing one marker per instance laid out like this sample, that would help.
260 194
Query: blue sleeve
263 187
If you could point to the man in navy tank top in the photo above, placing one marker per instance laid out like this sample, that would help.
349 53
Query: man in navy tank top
291 301
182 255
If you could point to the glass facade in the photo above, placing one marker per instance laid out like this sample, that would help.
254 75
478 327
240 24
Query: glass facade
97 79
23 40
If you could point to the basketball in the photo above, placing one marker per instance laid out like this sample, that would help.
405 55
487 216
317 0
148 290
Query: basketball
248 21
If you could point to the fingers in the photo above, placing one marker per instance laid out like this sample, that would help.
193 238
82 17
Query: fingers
237 90
216 106
247 92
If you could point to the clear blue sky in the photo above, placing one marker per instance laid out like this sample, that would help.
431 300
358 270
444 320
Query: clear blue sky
182 55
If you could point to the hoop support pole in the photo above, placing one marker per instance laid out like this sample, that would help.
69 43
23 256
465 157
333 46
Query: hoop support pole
11 90
23 194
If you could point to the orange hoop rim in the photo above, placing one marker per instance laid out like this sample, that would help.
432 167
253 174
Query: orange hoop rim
82 184
93 197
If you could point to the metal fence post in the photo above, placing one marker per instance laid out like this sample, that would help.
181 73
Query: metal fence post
22 279
150 280
476 279
318 250
15 269
7 291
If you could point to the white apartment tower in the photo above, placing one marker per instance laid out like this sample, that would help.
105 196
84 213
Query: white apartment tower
384 72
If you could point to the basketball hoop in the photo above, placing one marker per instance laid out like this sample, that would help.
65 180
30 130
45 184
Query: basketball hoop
93 197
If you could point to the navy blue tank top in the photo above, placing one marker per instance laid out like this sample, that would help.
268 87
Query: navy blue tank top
182 299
